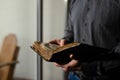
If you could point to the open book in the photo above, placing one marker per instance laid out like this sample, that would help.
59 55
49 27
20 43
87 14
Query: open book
60 54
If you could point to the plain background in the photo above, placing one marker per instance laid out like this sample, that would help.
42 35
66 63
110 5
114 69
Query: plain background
20 17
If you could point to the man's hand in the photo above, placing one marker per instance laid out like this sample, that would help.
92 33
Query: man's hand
72 65
60 42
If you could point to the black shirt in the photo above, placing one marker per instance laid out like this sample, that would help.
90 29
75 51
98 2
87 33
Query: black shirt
96 22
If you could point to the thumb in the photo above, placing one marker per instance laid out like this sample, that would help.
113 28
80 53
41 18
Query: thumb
62 42
71 56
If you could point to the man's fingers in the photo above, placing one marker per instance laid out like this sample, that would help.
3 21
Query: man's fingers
56 64
62 42
71 56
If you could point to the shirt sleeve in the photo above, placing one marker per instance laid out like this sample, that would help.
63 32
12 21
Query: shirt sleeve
68 31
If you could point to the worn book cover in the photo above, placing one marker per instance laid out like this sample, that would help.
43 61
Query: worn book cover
60 54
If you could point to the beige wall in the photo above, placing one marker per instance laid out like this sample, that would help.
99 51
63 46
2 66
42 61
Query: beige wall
54 17
19 17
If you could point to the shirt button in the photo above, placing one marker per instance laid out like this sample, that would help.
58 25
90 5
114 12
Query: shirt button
83 40
88 9
85 24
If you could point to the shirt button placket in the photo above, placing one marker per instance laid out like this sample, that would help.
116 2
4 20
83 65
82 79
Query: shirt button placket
88 8
83 40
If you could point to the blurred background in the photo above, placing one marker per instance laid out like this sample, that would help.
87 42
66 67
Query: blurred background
20 17
54 18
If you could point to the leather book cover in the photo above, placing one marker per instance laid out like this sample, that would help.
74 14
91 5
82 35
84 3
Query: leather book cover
60 54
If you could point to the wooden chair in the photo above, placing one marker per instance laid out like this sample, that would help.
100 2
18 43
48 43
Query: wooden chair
8 57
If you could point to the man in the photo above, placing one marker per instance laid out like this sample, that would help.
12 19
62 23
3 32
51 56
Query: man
97 23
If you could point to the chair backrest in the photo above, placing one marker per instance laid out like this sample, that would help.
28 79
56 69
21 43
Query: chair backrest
9 53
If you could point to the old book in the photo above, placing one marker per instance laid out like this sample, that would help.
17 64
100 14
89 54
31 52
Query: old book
60 54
